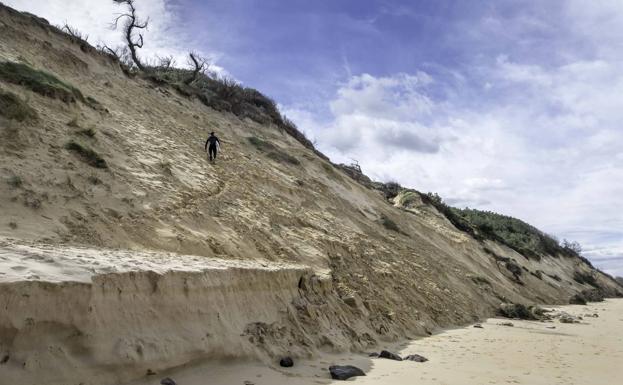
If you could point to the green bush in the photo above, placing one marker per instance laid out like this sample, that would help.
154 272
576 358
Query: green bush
537 273
261 145
40 82
408 197
585 278
391 189
577 299
389 224
512 232
272 151
513 267
14 108
86 154
89 132
555 277
478 279
283 157
15 181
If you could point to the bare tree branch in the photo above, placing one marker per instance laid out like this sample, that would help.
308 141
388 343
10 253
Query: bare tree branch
74 32
166 62
112 52
132 23
199 63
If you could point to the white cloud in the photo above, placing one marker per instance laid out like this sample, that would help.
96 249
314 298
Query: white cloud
547 148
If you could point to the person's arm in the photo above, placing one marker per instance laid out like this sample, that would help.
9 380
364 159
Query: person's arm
206 146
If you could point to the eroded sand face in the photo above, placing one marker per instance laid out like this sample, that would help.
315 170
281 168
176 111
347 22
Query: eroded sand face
590 352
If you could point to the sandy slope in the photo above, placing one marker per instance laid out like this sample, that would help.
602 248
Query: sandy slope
531 353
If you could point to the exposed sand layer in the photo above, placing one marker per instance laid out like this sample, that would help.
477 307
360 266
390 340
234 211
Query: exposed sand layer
48 263
533 353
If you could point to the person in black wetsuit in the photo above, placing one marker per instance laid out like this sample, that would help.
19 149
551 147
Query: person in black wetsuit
211 146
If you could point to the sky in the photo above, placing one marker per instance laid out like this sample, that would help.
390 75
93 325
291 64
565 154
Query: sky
510 106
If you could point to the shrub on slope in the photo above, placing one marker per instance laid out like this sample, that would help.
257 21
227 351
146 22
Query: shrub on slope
14 108
40 82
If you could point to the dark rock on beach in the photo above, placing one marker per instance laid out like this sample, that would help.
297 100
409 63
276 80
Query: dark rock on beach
344 372
167 381
416 358
390 355
286 362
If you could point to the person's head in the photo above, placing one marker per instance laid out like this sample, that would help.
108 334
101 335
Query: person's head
212 133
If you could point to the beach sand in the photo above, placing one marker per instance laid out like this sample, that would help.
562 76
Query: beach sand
530 352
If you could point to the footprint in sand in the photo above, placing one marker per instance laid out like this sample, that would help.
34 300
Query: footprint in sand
18 268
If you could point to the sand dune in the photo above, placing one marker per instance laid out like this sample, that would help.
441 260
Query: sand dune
162 260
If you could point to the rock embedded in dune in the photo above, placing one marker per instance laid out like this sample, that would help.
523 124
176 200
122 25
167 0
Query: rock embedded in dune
286 362
416 358
344 372
167 381
478 326
373 354
577 299
567 318
390 355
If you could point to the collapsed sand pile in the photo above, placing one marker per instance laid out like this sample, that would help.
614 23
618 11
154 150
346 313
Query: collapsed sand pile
123 250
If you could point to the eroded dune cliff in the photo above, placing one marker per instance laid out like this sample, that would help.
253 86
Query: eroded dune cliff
123 250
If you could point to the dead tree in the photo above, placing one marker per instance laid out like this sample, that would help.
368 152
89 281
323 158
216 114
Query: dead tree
115 53
132 23
74 33
166 62
199 64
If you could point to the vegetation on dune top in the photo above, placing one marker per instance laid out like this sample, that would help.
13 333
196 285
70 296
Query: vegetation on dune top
40 82
512 232
515 233
225 94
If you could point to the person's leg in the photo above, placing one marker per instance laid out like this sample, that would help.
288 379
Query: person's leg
212 151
